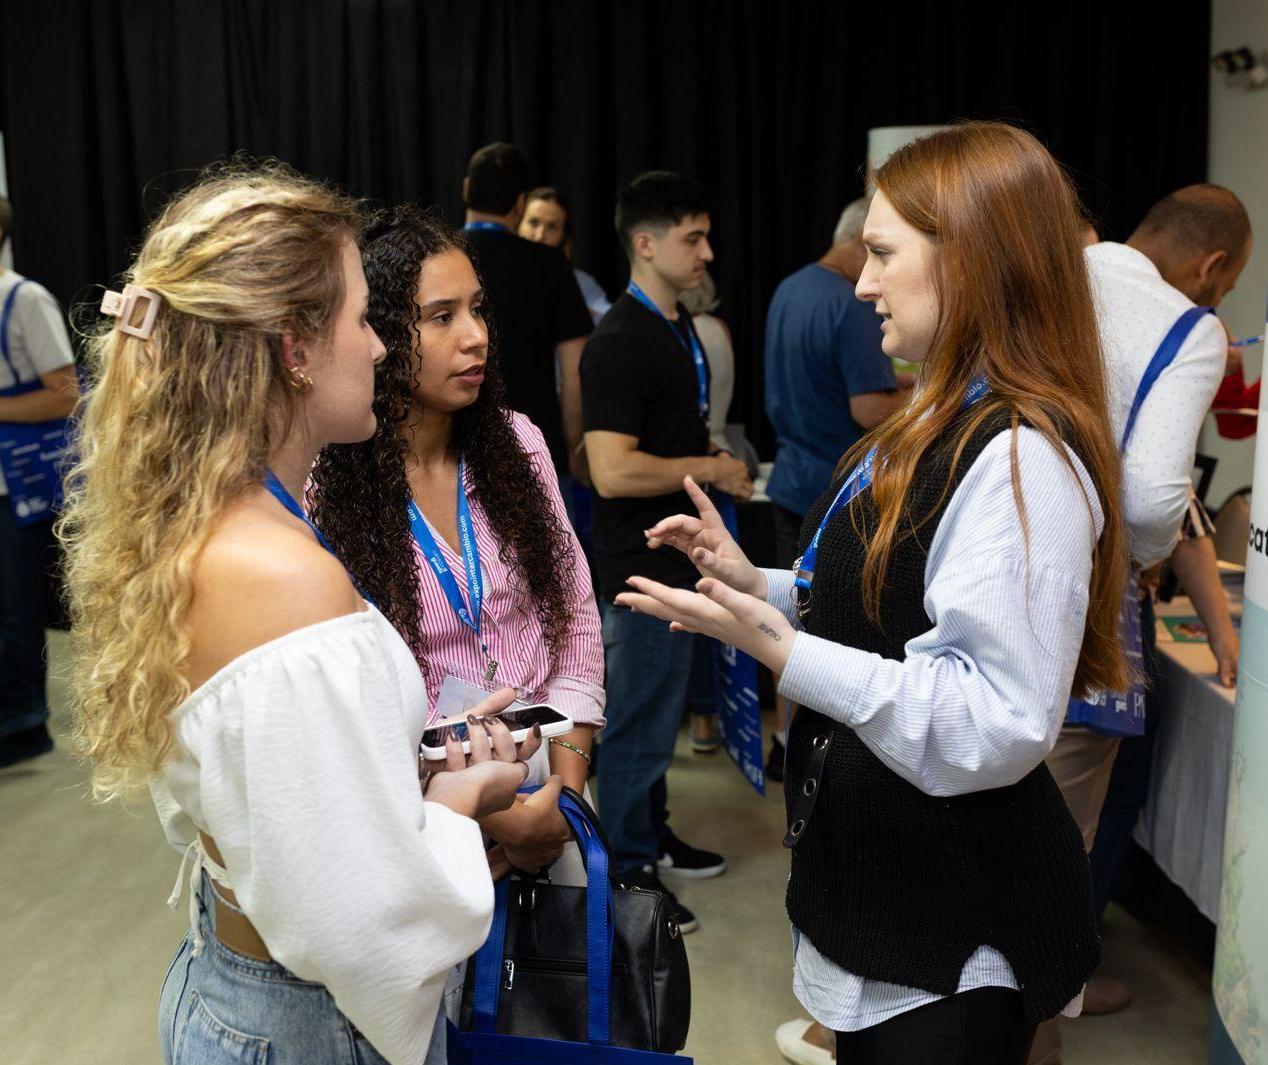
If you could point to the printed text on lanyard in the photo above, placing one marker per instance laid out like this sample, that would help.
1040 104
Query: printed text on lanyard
471 558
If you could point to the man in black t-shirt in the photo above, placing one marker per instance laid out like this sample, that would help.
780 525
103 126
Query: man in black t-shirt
540 317
645 389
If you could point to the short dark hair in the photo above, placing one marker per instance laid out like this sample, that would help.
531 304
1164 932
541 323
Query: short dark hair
1198 219
6 220
658 199
550 194
496 177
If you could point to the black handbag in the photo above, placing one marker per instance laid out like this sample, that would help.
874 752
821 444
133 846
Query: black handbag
536 981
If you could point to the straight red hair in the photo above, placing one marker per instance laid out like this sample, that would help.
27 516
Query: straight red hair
1016 307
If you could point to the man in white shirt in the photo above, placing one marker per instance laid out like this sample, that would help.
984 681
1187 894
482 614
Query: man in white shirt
1188 251
38 357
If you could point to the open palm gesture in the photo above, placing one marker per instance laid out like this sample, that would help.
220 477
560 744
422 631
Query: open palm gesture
707 543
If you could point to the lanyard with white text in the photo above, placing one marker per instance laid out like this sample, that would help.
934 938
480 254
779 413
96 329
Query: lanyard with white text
859 479
692 347
471 558
287 500
474 227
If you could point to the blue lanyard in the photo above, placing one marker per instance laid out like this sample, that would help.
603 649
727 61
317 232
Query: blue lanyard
858 481
470 556
288 501
473 227
692 348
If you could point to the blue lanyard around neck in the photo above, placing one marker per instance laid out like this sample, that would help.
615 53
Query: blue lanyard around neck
470 556
481 227
858 481
692 347
287 500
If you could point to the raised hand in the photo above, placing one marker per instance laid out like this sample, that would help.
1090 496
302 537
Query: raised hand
717 610
707 543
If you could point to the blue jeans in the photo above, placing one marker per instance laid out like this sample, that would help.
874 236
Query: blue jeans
224 1008
648 673
25 553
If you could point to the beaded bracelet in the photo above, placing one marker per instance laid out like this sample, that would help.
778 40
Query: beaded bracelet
572 747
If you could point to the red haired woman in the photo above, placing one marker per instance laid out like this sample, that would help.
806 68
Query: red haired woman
957 581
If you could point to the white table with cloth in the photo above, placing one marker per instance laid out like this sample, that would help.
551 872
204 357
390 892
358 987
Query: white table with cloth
1182 824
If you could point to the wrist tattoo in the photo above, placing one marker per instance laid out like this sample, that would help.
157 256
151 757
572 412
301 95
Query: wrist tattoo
763 627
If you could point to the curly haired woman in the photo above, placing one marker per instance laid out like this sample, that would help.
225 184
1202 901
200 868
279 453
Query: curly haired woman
448 452
226 659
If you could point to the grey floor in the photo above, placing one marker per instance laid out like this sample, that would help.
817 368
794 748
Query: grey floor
85 937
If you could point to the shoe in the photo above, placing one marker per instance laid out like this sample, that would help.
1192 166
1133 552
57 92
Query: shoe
790 1038
682 859
647 879
29 743
775 761
1104 995
704 733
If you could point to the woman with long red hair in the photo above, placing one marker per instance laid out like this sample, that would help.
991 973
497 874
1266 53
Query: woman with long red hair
958 580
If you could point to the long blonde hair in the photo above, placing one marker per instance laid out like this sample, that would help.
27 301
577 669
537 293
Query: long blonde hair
174 428
1016 307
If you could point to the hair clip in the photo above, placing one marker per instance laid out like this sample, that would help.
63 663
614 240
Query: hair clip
135 307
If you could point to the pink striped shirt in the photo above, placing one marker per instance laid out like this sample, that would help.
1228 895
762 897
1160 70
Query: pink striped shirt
509 623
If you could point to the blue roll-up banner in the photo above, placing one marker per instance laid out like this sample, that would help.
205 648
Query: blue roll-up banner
1239 1028
735 686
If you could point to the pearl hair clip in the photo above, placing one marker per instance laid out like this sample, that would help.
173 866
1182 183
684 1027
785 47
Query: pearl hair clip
135 307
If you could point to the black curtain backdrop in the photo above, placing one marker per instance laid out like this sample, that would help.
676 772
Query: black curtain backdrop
107 107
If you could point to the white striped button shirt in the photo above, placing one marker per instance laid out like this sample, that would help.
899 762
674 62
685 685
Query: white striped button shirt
509 623
978 700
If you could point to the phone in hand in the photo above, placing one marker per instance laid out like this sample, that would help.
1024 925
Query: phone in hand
519 719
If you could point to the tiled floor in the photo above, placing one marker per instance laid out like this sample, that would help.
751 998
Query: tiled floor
85 937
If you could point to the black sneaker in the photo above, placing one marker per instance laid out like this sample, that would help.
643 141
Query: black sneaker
682 859
775 761
647 879
29 743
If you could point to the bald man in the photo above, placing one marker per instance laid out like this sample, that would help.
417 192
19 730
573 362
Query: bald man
1188 251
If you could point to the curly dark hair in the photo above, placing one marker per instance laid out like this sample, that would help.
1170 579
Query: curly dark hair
361 490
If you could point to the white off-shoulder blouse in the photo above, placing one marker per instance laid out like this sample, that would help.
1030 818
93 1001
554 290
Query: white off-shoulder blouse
300 760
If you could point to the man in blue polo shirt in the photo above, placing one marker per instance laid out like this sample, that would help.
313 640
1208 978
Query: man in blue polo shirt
827 383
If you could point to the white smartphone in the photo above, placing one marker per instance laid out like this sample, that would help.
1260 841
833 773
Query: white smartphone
519 719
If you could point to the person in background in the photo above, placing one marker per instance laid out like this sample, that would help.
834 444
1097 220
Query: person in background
714 335
1188 251
534 304
959 579
645 392
1235 395
548 220
37 384
227 661
446 445
827 383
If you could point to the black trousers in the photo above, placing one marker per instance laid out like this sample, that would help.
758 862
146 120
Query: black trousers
985 1026
25 554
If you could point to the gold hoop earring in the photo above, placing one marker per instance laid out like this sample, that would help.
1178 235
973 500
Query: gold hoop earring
300 381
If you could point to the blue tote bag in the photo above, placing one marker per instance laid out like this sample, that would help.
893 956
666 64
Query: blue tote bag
484 1045
31 453
1123 713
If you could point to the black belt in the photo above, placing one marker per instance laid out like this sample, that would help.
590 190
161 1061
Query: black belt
804 796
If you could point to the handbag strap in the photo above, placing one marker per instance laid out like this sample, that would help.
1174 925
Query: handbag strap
4 328
1163 357
599 931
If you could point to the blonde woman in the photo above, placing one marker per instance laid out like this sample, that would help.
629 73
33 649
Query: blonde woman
226 659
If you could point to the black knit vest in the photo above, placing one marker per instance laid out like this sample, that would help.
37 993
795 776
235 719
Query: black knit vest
890 883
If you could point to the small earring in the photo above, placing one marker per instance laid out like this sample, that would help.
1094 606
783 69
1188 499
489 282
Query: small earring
300 381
